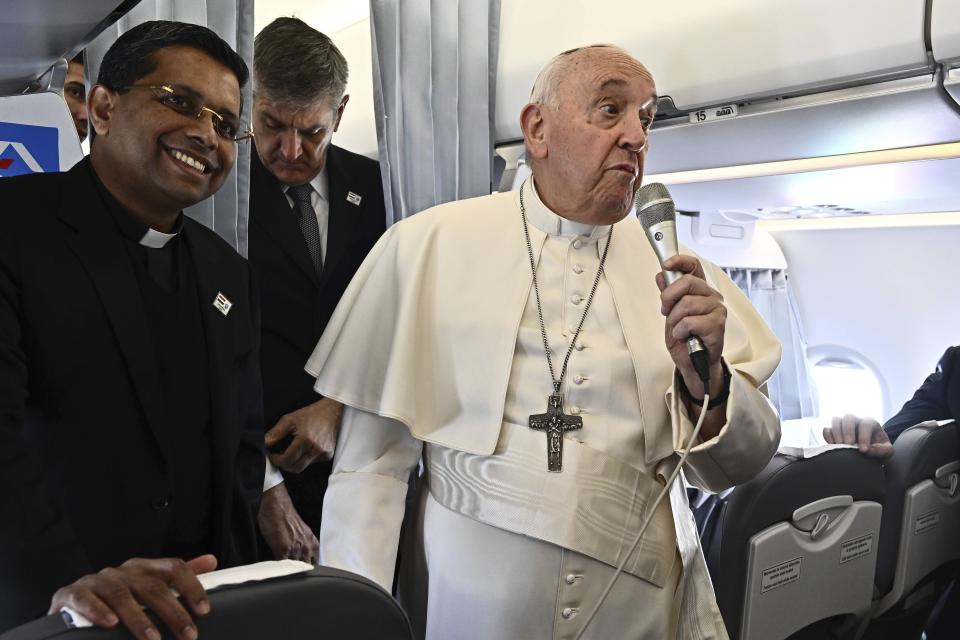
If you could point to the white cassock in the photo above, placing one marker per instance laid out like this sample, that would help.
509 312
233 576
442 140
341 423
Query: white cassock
436 350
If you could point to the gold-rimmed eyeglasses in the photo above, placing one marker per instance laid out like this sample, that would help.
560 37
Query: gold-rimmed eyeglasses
187 103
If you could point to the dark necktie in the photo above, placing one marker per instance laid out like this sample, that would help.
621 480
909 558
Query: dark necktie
309 227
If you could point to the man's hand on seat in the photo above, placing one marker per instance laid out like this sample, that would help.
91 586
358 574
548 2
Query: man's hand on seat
287 535
314 429
865 433
117 594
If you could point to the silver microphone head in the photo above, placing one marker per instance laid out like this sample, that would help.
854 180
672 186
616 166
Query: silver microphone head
654 205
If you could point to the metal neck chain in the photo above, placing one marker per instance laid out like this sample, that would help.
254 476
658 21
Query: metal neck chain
536 289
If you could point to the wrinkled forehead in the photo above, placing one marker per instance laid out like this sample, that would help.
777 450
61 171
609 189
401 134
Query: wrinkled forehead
324 107
596 69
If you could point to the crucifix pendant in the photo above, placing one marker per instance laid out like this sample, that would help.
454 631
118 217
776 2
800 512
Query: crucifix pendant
554 422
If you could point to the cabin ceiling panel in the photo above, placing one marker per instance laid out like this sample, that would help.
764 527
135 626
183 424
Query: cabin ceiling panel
35 34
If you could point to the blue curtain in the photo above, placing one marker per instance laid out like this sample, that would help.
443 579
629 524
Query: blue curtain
227 211
434 74
790 386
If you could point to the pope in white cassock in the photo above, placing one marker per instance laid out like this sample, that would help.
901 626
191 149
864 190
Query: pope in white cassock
437 349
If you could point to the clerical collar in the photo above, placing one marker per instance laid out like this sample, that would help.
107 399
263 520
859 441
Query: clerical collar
158 239
319 184
129 226
552 224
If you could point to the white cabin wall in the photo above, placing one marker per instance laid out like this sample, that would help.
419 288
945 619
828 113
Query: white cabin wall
358 128
887 293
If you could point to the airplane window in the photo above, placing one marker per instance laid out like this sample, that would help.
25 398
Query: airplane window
844 386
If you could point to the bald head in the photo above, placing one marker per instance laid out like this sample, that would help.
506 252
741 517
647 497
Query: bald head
547 87
586 129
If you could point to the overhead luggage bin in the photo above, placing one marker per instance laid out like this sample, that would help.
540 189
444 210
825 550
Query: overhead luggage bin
945 31
750 85
705 53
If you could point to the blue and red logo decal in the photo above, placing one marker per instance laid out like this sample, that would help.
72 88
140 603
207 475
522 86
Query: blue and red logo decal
27 148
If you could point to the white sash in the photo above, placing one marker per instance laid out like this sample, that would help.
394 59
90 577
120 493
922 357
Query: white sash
594 507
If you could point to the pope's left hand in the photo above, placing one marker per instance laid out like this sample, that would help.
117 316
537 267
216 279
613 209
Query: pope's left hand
693 307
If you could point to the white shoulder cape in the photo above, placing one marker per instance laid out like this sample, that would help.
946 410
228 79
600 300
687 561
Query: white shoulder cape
426 331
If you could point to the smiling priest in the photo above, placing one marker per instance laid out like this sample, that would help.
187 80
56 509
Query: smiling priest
522 346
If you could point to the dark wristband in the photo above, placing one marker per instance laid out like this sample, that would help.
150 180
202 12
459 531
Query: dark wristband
714 402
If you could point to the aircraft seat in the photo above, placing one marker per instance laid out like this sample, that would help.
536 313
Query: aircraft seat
798 547
919 550
37 134
323 603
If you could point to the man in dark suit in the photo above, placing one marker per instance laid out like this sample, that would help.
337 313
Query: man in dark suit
315 212
130 399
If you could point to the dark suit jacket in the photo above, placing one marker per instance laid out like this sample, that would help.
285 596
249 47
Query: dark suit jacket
296 305
84 457
937 399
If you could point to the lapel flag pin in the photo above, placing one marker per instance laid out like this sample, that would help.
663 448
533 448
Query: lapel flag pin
353 198
222 303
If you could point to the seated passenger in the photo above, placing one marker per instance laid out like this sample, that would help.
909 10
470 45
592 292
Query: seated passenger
938 398
131 434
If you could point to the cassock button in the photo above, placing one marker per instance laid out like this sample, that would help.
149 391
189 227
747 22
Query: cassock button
577 269
577 243
568 613
578 379
570 579
576 298
579 346
575 410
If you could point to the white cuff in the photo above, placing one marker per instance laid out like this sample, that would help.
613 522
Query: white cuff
271 476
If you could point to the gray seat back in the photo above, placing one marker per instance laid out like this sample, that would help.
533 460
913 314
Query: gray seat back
324 603
798 546
920 534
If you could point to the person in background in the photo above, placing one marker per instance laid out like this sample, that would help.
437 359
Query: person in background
315 212
75 93
131 421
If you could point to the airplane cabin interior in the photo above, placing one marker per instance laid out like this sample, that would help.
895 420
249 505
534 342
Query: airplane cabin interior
812 151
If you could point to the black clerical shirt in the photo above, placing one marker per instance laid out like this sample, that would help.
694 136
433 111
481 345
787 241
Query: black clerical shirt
166 276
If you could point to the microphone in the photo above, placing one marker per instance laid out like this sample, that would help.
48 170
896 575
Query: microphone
657 214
